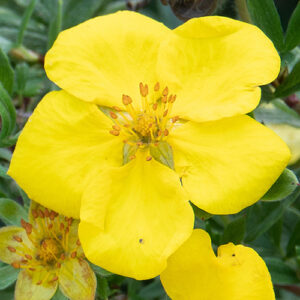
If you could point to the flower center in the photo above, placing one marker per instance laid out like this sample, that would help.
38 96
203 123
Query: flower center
50 248
148 125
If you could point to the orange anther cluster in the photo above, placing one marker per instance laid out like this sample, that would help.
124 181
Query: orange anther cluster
148 124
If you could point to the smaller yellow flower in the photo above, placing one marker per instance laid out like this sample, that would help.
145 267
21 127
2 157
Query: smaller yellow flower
49 254
194 272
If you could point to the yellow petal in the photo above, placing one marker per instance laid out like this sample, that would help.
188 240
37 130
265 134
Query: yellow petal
214 65
63 142
8 243
28 289
134 217
195 273
105 57
77 280
229 164
291 135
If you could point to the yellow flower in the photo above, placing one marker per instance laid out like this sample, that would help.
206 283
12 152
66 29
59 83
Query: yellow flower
194 272
144 108
49 254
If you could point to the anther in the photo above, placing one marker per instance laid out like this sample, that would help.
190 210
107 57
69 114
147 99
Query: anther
24 261
52 215
164 99
28 228
143 89
159 132
16 265
73 254
154 106
170 98
175 119
116 127
62 257
62 226
55 278
50 226
173 99
29 257
139 144
113 115
156 87
34 213
148 158
70 221
23 223
166 132
41 214
67 230
32 269
18 239
165 91
165 112
116 108
39 282
11 249
126 100
58 265
114 132
47 213
78 243
132 157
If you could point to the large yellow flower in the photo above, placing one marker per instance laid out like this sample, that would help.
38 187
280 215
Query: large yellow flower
148 119
194 272
49 255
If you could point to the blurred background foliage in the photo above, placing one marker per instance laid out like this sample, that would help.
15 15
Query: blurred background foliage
28 28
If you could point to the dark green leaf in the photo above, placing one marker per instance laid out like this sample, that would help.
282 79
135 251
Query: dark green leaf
55 24
274 214
281 273
264 14
201 214
163 153
291 84
284 185
100 271
5 154
294 240
25 198
292 38
59 295
103 290
6 72
153 291
11 212
3 172
234 231
277 112
8 276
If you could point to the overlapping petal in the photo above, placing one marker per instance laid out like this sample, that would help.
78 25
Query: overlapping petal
195 273
134 217
77 280
214 65
63 142
28 289
8 241
229 164
105 57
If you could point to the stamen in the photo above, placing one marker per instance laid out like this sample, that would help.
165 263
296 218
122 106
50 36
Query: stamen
16 265
156 87
165 91
148 158
113 115
11 249
114 132
18 239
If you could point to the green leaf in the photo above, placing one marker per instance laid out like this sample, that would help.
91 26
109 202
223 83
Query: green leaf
55 24
264 14
163 153
291 84
284 186
152 291
281 273
292 37
26 17
274 214
11 212
25 198
277 112
103 290
234 231
5 154
201 214
6 72
3 172
59 295
98 270
8 275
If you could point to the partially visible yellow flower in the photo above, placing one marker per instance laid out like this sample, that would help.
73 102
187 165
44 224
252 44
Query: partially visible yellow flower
148 119
49 254
194 272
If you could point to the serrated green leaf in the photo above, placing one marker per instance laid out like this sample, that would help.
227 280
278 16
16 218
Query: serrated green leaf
292 37
291 84
284 186
264 15
234 231
281 273
277 112
6 72
103 290
274 214
11 212
163 153
8 276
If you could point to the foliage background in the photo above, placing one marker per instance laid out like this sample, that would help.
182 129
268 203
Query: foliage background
28 28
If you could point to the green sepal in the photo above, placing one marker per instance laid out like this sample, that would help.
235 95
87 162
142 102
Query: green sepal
98 270
8 275
284 186
128 152
163 153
